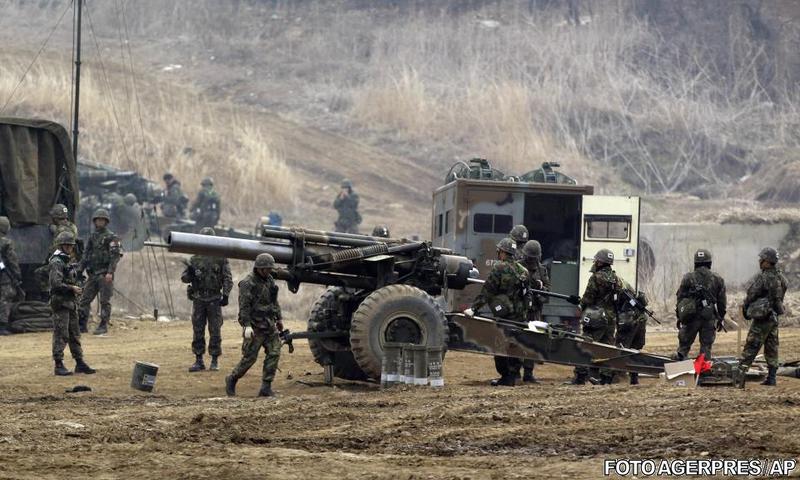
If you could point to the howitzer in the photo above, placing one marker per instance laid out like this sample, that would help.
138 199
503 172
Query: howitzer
382 290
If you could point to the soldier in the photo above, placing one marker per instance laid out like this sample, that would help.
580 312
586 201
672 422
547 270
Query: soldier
539 280
10 275
346 204
206 207
762 305
59 216
210 283
506 293
64 291
380 231
632 326
262 325
520 236
700 307
100 260
173 200
599 310
129 214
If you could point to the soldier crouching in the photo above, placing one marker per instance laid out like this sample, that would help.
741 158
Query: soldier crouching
261 320
64 291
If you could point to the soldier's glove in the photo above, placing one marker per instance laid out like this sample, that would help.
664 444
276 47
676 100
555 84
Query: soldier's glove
286 338
469 312
247 333
224 301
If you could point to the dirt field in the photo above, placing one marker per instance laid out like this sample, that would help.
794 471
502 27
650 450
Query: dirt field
188 429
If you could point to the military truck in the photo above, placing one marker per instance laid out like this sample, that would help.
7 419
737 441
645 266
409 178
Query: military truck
37 170
478 205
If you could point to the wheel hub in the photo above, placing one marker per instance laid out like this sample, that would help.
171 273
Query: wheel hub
403 330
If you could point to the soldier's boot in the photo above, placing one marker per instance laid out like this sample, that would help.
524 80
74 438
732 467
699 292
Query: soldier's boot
634 378
83 323
102 328
527 376
198 365
579 379
230 385
770 380
214 364
266 390
60 369
83 367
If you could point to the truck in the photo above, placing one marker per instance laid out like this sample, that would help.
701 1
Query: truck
479 205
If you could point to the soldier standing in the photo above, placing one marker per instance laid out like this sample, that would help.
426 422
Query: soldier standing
762 305
700 307
59 222
346 203
210 283
506 293
539 280
207 205
599 310
173 201
64 291
632 326
262 325
380 231
100 260
10 275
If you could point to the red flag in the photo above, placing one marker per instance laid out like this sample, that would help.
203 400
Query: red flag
701 364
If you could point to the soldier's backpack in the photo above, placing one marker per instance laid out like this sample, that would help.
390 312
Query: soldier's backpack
760 309
594 319
687 307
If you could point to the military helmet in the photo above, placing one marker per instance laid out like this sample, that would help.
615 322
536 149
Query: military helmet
65 238
265 260
702 256
507 245
346 183
769 254
207 182
519 233
532 249
101 213
167 176
604 255
59 211
130 199
5 225
380 231
207 231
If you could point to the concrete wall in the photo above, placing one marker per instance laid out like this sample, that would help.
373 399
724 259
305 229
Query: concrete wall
734 248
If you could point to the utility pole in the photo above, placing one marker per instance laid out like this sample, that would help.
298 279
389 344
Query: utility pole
77 26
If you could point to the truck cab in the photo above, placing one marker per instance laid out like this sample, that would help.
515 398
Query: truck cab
471 215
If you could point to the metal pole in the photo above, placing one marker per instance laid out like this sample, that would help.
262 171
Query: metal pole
77 26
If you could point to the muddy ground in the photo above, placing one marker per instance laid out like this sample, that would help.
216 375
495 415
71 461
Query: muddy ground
188 429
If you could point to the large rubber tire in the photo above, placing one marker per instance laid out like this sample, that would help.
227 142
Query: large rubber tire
330 351
396 313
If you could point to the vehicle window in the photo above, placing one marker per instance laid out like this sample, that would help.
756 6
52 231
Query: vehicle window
439 225
607 227
489 223
447 218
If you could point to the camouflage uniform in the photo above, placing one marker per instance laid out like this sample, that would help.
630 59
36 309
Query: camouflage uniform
174 201
600 294
770 284
507 294
210 283
259 309
9 277
632 326
347 207
539 280
101 256
63 302
707 289
206 207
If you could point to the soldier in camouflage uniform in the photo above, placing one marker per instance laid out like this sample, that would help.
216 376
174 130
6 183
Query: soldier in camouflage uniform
210 283
539 280
346 204
64 291
701 306
10 275
59 222
632 325
100 259
380 231
598 305
173 201
762 305
507 294
206 207
262 325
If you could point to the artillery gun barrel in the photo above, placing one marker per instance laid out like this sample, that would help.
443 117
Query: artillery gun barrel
323 237
212 246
